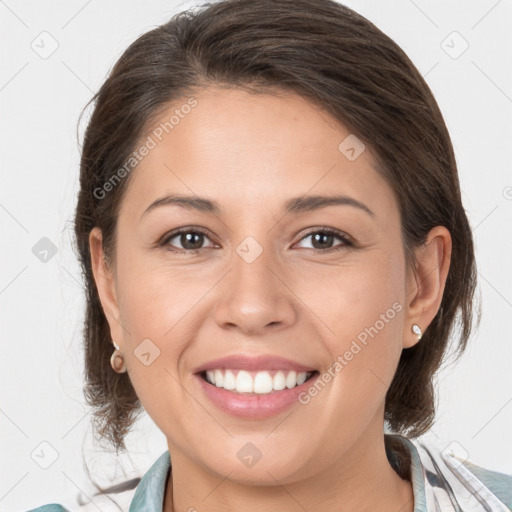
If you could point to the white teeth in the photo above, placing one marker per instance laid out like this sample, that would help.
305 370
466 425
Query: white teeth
229 380
279 381
291 380
219 378
301 378
241 381
263 382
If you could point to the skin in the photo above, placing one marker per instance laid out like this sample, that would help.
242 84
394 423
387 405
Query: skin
251 153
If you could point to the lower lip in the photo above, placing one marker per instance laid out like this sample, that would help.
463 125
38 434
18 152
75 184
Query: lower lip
254 406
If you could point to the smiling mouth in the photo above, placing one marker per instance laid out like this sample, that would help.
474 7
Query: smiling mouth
255 382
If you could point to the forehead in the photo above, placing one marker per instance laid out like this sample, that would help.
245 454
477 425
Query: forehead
247 148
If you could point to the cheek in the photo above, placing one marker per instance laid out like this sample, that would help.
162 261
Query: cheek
352 296
154 297
360 306
155 305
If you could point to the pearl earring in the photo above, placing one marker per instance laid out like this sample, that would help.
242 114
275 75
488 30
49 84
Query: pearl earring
416 330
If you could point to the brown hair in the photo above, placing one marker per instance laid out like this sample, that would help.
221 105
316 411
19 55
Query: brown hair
342 63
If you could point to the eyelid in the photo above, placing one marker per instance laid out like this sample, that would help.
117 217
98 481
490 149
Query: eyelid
327 229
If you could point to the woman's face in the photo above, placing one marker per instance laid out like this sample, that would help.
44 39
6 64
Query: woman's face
255 274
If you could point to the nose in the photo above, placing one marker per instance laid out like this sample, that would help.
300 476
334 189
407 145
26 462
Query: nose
254 296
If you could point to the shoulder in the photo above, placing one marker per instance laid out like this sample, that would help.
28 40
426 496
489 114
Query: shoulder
112 499
146 491
471 483
500 484
52 507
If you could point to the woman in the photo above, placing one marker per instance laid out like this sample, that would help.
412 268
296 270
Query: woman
275 253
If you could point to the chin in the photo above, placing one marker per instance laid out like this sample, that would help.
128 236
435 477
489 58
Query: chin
259 467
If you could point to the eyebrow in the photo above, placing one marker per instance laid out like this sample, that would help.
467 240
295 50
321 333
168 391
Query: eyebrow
292 206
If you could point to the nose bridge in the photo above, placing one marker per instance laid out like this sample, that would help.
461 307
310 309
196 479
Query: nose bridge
253 249
253 297
251 264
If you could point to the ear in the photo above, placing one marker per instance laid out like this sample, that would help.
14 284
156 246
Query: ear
104 277
426 282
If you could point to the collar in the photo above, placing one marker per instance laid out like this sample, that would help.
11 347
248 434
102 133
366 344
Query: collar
149 496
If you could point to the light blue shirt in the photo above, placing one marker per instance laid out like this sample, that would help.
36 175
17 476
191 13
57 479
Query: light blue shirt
441 482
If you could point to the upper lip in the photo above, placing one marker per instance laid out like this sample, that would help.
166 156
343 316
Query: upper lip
253 363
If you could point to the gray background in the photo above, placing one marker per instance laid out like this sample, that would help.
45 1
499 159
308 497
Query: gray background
41 301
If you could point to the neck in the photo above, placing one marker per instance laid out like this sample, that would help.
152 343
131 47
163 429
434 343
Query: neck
362 480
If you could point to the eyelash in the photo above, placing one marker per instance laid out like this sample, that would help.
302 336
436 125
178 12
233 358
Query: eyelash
347 241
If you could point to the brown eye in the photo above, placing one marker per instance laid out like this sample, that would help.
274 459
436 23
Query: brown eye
322 240
186 240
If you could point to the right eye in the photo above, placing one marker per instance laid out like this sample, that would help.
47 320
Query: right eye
191 240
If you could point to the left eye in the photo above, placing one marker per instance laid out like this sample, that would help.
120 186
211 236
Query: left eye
325 237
